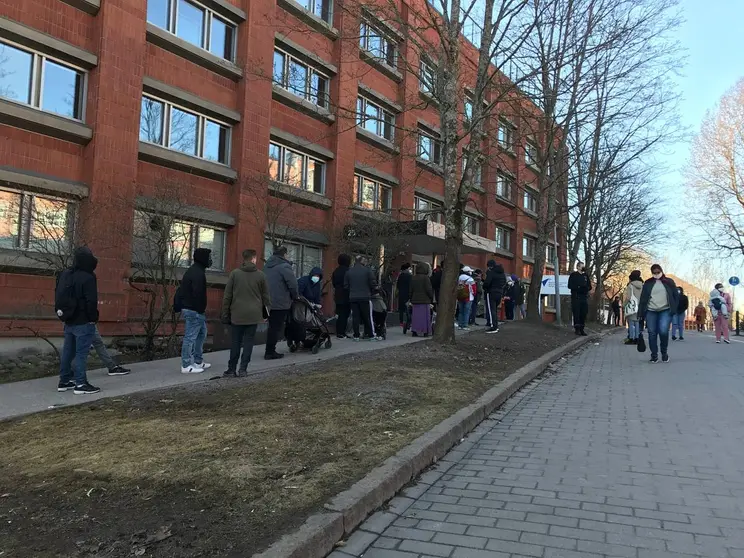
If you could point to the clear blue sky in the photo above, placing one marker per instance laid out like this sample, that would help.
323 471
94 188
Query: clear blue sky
712 35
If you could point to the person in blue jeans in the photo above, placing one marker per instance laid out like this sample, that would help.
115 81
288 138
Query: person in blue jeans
678 319
76 301
464 306
191 301
659 302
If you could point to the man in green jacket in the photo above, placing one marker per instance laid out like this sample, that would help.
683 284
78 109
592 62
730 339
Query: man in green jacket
246 304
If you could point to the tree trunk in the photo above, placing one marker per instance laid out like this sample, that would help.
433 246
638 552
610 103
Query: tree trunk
444 332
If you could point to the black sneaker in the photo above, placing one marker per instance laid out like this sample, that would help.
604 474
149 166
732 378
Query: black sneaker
654 360
339 336
727 342
119 371
674 338
273 356
85 389
66 386
664 358
492 330
229 374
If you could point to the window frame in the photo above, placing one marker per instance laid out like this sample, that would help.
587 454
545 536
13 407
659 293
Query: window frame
311 70
507 183
305 166
506 237
201 127
304 269
25 217
436 147
530 154
389 44
380 187
362 117
426 68
477 171
507 141
467 225
532 196
529 244
434 212
36 85
172 8
550 254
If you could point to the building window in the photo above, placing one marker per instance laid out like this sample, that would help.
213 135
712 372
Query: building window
471 225
529 201
528 247
370 194
427 210
300 79
378 44
504 186
468 111
321 8
179 129
506 135
162 236
429 147
35 223
39 81
426 77
476 170
530 154
550 254
296 169
503 238
304 257
195 24
373 118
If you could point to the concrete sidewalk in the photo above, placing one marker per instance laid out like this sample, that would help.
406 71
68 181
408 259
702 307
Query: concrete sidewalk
21 398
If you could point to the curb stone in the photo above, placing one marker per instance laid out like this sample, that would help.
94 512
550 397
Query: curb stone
318 536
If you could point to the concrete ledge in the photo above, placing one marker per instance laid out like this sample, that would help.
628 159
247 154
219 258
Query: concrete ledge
189 100
380 98
315 539
35 120
304 54
280 94
204 58
30 37
373 173
180 161
290 140
431 167
89 6
309 18
287 192
35 182
356 503
226 9
380 66
190 212
376 141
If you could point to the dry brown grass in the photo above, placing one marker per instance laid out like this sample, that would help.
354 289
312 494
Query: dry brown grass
229 469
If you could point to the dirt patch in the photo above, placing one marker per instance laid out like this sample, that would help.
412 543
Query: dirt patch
223 470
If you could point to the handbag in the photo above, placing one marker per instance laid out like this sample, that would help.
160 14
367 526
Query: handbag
641 346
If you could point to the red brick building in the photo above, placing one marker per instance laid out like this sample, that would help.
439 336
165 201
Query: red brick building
243 105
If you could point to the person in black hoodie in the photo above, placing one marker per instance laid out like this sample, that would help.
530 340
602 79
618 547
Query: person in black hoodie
678 319
76 301
493 287
436 281
404 293
191 299
580 286
341 295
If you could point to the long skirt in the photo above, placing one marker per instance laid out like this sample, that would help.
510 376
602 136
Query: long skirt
421 319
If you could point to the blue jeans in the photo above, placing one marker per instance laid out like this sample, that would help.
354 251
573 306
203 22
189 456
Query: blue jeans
473 310
634 328
678 325
100 347
78 339
463 315
193 337
658 323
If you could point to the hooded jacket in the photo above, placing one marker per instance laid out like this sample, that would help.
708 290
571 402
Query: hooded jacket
85 284
282 282
684 302
246 296
579 285
700 313
421 291
725 299
193 289
648 286
634 288
404 286
495 280
360 282
340 293
311 291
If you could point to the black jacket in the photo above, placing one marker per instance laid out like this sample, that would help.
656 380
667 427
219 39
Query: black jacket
495 281
648 286
360 282
340 293
404 287
436 281
683 305
579 284
86 286
193 289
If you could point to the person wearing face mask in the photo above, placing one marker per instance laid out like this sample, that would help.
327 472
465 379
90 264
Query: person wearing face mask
310 286
659 302
720 306
191 300
580 286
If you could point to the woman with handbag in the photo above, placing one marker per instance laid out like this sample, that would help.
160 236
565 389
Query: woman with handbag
659 301
631 299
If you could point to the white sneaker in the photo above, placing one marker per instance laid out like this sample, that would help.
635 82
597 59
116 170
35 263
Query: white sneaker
193 369
203 365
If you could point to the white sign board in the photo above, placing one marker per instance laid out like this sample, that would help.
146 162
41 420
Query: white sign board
547 285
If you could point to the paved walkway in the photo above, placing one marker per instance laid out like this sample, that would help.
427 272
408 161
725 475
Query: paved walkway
610 456
20 398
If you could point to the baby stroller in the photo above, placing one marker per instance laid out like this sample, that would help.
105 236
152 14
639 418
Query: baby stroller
307 327
379 312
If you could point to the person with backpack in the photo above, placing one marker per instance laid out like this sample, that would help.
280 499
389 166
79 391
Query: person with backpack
659 301
465 296
631 299
580 286
678 320
493 287
191 301
720 305
245 304
76 304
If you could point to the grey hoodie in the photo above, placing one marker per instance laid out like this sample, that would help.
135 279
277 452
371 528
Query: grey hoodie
282 282
635 288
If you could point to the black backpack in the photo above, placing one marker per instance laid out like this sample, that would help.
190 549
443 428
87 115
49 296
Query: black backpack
65 300
717 303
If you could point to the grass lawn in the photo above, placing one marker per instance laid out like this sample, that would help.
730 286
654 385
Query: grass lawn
224 468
